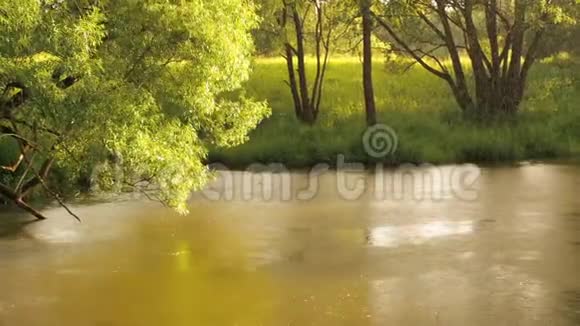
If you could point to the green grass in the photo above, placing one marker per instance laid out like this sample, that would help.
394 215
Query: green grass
420 108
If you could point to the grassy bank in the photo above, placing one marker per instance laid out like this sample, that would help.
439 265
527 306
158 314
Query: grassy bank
420 108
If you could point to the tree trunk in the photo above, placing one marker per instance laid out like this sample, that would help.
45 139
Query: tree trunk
306 105
17 200
292 81
307 113
369 94
499 74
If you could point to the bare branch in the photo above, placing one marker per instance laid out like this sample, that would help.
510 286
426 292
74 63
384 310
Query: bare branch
406 47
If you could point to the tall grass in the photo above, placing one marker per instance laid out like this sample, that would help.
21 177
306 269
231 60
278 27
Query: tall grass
420 108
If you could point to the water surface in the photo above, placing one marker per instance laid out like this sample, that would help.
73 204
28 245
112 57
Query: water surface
511 257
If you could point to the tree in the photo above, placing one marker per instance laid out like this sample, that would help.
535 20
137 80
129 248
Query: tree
267 34
564 37
306 99
137 83
369 93
500 39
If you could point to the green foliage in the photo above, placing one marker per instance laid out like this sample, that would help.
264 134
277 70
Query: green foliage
267 34
8 150
341 20
423 113
148 78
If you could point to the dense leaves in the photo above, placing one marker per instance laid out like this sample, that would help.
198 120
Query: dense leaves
133 83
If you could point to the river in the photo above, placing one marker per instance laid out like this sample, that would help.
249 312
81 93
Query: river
507 255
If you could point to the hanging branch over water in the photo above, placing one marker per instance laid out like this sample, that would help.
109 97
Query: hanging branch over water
26 161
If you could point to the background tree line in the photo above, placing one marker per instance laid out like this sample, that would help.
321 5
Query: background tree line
482 49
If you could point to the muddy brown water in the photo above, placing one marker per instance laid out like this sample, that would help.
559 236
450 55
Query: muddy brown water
509 257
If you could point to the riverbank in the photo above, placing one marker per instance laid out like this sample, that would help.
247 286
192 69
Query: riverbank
417 106
420 110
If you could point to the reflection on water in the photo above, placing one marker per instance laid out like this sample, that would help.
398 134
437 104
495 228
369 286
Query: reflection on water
395 236
510 258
